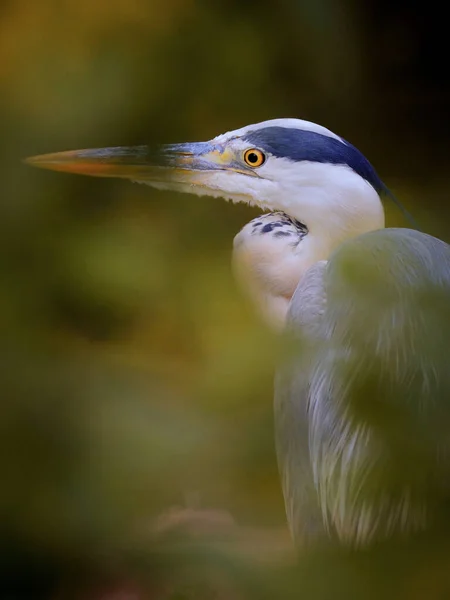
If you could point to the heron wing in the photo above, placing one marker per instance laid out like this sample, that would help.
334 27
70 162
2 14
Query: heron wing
292 384
368 388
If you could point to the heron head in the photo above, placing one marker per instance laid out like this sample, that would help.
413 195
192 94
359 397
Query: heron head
325 187
291 165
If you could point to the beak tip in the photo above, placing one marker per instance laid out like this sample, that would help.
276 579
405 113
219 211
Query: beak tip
45 161
67 162
31 160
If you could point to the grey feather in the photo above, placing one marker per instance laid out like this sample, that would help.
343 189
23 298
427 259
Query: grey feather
363 403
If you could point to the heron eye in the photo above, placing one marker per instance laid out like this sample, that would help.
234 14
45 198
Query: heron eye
254 157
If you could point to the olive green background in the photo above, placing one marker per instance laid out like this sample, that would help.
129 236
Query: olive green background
134 376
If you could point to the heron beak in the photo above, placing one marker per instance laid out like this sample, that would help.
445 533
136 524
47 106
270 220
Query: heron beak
178 163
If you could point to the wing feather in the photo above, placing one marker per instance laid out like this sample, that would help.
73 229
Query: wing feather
368 389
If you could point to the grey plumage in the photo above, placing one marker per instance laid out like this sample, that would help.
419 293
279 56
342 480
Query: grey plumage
363 404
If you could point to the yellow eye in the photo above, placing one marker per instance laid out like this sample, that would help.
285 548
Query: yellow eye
254 157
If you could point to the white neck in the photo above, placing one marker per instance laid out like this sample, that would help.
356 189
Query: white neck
335 205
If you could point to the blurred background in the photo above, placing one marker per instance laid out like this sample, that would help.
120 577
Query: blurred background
136 444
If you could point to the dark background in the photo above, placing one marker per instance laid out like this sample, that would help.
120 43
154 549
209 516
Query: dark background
135 377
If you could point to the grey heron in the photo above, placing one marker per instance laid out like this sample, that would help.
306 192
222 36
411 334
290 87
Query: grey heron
362 406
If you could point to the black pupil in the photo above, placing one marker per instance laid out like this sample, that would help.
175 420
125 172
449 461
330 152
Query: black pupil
252 157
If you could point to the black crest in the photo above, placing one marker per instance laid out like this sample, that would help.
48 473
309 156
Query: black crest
301 145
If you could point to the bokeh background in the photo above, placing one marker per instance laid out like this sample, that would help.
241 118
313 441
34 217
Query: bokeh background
136 445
